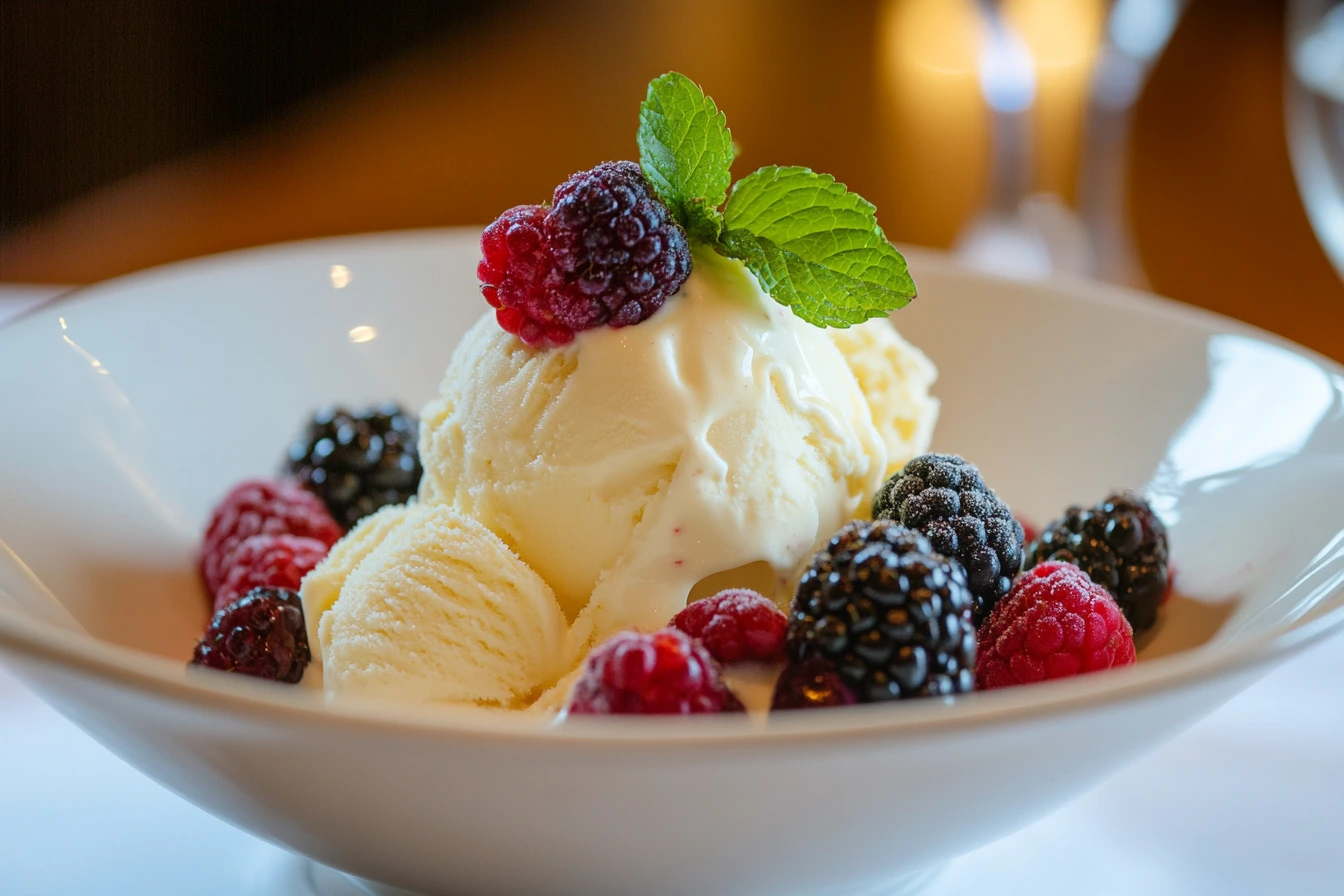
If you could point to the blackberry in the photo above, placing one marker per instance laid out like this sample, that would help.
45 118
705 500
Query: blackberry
615 245
358 463
1120 544
892 617
261 634
946 498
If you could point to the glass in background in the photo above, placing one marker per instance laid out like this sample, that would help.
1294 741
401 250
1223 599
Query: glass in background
1314 107
1026 233
1025 109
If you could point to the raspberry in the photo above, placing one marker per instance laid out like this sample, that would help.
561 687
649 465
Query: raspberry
1121 544
261 507
1056 622
615 244
262 635
519 280
889 614
358 463
269 561
809 685
665 673
734 625
945 497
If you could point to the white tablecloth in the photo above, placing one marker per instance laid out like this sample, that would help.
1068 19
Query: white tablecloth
1249 801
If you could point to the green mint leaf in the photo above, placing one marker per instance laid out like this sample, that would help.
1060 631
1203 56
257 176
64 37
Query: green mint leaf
815 247
685 150
814 292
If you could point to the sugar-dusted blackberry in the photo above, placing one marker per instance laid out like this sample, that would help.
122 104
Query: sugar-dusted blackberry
261 634
1122 546
615 245
946 498
358 463
890 615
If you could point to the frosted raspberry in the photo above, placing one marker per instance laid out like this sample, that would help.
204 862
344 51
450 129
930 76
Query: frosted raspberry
734 625
519 280
262 634
261 507
1054 623
269 561
664 673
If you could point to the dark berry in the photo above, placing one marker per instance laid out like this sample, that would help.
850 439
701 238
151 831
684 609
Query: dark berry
261 634
519 280
664 673
888 613
616 247
734 625
1056 622
358 463
261 507
946 498
810 684
607 252
1121 544
269 561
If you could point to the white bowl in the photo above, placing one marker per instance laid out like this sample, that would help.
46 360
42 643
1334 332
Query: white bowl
133 405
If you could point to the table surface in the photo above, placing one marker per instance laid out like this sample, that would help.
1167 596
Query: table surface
1248 801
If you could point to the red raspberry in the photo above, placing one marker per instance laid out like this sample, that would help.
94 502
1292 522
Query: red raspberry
1054 623
269 561
261 634
261 507
519 280
811 684
665 673
734 625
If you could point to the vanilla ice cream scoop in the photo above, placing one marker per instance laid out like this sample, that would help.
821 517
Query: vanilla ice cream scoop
438 610
895 378
322 586
723 432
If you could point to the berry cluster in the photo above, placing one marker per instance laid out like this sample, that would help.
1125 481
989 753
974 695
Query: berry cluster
266 535
866 626
606 253
925 600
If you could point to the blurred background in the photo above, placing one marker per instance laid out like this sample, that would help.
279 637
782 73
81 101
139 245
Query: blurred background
1195 147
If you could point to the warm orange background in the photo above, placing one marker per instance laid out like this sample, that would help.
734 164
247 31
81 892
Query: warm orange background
863 90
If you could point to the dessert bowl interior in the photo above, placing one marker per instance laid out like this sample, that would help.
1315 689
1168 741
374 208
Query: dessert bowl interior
136 403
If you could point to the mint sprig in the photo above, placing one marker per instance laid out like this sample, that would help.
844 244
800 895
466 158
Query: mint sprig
814 246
